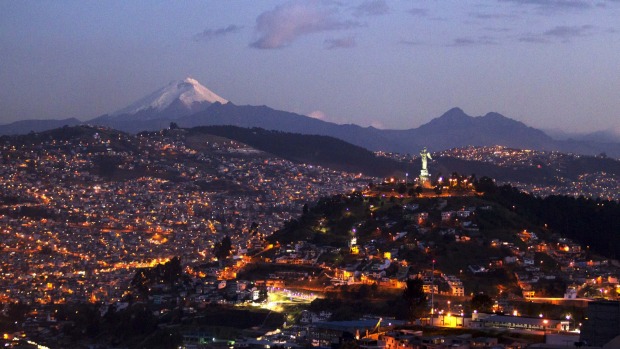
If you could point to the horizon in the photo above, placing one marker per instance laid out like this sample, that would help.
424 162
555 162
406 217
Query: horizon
548 64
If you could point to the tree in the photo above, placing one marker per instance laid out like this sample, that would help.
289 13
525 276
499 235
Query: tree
363 292
419 190
263 295
415 298
17 311
107 165
222 249
349 344
172 270
253 228
455 179
485 185
482 302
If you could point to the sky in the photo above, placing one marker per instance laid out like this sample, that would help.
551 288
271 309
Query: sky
551 64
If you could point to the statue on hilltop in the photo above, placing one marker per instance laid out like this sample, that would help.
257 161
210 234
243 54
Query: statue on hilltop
425 156
424 175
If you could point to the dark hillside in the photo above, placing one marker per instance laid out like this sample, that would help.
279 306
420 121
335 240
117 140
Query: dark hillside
318 150
593 223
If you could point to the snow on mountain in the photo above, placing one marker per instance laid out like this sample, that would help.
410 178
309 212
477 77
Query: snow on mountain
188 92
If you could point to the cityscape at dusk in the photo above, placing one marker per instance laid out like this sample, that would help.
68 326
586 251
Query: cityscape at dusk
310 174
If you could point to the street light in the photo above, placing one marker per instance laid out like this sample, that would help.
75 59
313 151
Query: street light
433 290
569 318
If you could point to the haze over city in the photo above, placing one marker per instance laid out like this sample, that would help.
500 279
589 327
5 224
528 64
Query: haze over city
550 64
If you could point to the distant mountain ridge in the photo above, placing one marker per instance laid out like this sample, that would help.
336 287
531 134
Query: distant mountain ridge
189 104
607 136
27 126
457 129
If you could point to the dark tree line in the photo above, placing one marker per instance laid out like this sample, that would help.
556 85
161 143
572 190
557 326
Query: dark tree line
222 249
591 222
415 298
169 273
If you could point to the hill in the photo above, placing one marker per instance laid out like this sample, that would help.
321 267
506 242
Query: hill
26 126
318 150
541 168
484 239
547 172
592 223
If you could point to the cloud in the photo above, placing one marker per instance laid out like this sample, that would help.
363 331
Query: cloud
347 42
491 15
534 39
562 33
410 42
320 115
371 8
377 124
555 5
568 32
317 114
482 40
281 26
209 34
418 12
497 29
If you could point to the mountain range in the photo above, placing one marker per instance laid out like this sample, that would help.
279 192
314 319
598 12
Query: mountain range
188 104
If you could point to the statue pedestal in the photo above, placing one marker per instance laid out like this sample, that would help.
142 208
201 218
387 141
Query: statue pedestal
425 179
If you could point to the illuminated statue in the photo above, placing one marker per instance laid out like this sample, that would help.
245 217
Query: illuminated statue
425 156
424 175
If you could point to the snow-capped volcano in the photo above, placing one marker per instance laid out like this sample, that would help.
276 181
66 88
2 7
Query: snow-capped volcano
186 94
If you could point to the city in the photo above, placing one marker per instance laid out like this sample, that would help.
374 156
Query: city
82 214
140 221
565 174
297 174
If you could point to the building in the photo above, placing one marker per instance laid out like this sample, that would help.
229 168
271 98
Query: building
602 324
327 333
518 322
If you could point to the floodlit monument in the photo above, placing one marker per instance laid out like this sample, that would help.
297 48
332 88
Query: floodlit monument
425 177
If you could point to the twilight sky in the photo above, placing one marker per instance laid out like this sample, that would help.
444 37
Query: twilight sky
552 64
